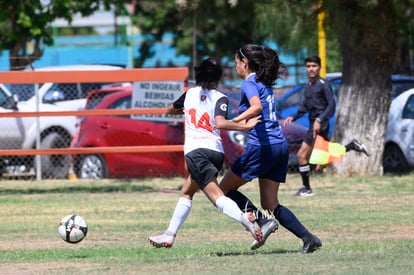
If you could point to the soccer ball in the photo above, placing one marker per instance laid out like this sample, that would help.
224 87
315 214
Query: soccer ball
73 228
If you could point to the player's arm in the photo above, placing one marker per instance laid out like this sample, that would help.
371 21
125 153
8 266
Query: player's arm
301 111
290 119
255 108
221 121
330 108
177 107
253 111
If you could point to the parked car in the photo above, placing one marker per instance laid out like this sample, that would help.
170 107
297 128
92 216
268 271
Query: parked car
288 103
96 131
123 130
398 155
55 132
399 140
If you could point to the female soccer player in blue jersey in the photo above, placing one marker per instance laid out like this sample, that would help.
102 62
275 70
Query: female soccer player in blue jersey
266 154
205 113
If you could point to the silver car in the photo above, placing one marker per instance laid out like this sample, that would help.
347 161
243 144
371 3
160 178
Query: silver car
54 132
399 141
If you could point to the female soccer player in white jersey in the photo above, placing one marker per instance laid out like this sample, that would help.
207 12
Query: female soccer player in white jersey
205 112
266 155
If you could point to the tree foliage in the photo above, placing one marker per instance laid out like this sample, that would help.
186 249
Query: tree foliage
27 21
217 27
369 35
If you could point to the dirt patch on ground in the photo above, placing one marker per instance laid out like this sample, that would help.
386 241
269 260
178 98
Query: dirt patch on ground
58 244
49 268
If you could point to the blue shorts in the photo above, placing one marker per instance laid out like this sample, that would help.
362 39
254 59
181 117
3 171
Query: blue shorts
204 165
269 162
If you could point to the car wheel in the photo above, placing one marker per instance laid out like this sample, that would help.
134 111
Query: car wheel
394 160
91 167
54 166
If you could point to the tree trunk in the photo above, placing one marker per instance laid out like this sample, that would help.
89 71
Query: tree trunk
368 45
19 59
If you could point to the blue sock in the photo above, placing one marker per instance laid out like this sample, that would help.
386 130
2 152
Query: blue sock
242 201
287 219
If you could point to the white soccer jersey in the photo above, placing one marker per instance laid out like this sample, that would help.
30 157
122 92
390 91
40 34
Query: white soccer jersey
200 109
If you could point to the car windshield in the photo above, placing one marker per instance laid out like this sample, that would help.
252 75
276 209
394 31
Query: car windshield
3 96
24 92
94 98
295 99
400 87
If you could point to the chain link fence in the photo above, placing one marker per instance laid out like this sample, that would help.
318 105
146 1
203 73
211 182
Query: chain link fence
23 127
113 142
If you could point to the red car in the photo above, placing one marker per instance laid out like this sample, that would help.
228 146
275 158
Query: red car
122 130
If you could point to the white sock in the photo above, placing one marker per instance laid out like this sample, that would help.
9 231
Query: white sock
229 208
182 209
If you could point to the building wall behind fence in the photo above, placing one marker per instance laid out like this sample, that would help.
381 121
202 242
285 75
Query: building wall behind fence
107 49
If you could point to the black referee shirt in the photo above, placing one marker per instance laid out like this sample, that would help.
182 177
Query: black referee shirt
318 101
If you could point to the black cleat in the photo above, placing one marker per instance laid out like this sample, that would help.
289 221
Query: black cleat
311 245
358 147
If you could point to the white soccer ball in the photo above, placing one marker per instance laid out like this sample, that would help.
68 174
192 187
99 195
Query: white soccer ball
73 228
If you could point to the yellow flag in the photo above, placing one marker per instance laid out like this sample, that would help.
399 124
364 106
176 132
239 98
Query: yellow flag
325 152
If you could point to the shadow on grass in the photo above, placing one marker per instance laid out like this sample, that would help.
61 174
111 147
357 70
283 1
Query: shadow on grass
94 189
79 189
280 251
119 185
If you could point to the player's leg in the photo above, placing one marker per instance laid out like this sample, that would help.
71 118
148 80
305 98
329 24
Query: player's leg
357 146
273 169
268 198
230 209
304 168
229 185
288 220
181 212
230 181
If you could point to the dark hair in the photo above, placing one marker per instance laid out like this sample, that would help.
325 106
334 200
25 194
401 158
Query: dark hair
314 59
264 61
208 73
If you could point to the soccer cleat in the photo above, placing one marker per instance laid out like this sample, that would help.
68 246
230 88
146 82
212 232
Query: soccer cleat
268 228
164 240
358 146
304 192
311 245
249 222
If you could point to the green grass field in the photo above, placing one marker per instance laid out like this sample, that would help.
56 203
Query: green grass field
366 226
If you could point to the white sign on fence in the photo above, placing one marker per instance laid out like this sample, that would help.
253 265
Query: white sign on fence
156 94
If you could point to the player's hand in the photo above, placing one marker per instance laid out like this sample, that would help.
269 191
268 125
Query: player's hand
287 120
316 128
251 122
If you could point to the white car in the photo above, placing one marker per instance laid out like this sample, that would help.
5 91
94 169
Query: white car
55 132
399 141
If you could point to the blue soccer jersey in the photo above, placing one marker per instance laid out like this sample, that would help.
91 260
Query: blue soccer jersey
268 131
